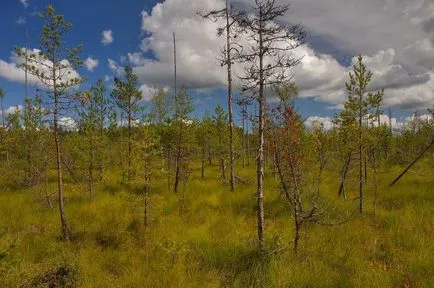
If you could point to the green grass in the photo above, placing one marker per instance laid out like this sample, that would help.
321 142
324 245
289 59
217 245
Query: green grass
213 242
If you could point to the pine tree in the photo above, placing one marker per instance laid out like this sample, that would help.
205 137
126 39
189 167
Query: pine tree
128 97
54 65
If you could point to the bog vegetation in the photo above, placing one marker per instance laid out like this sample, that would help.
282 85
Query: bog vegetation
128 195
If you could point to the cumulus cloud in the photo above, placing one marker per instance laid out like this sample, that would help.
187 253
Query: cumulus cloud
107 37
67 123
326 122
404 87
90 63
12 71
148 92
401 64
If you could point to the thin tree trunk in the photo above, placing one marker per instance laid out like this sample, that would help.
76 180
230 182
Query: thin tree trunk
90 168
4 127
203 163
145 210
366 169
47 195
122 141
360 156
412 163
230 109
177 163
223 168
243 143
129 141
344 176
249 156
297 231
260 160
375 186
63 220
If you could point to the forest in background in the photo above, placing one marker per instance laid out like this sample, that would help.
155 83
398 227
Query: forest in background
128 195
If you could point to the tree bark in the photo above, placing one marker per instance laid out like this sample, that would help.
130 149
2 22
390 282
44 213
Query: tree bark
344 176
260 161
63 220
203 163
360 155
129 140
230 109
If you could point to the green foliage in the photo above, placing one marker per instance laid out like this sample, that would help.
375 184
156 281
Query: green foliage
125 93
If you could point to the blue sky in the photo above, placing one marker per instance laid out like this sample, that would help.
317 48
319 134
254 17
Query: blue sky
335 38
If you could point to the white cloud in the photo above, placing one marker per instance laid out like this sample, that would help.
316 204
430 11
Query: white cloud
326 122
397 124
25 3
67 123
405 76
148 92
91 63
114 67
403 86
107 37
21 20
12 109
12 71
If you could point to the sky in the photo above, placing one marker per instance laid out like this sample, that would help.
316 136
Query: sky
396 38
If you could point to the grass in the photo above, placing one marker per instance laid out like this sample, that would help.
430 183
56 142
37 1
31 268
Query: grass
213 242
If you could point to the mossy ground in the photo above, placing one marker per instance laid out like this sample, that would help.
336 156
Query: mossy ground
212 242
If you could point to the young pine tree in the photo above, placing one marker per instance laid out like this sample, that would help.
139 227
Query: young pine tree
356 111
54 65
127 97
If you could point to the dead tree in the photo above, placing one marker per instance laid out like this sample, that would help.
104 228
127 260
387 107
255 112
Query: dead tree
229 52
292 169
267 59
413 162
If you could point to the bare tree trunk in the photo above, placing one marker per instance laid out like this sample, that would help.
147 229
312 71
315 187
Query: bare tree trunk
177 164
260 160
129 141
122 141
223 168
344 176
203 163
243 142
297 230
412 163
249 156
4 127
360 157
63 221
230 109
90 168
375 186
